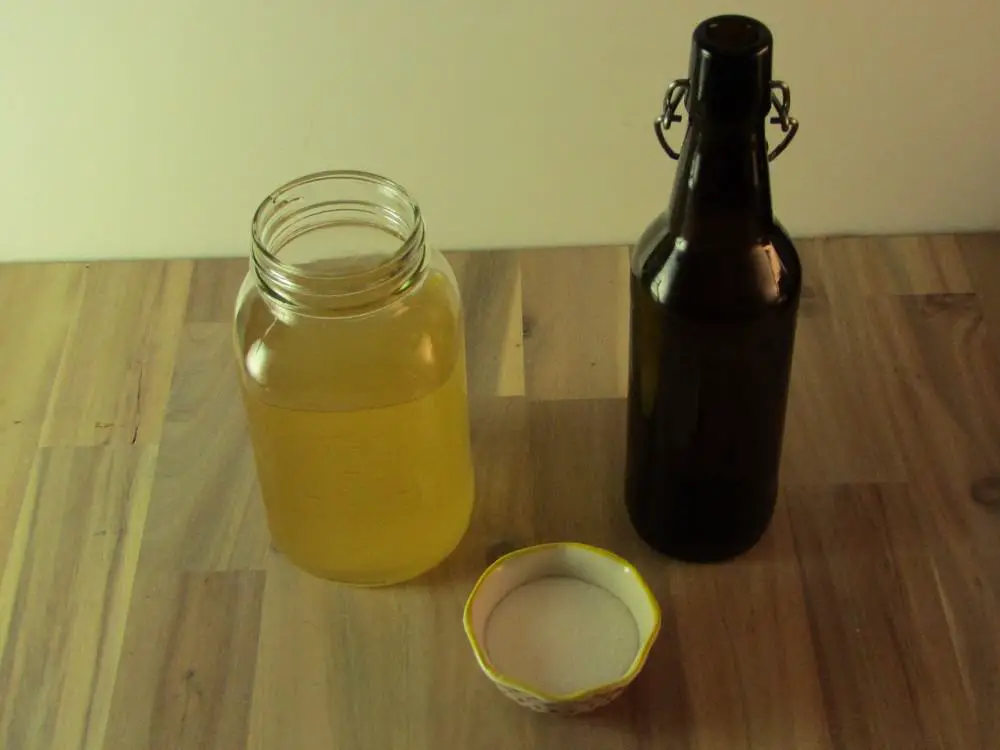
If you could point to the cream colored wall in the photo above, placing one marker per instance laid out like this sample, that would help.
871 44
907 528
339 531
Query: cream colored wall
142 128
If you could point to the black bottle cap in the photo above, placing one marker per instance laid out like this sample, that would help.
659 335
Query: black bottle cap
730 70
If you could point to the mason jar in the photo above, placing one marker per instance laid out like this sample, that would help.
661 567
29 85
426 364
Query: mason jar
352 363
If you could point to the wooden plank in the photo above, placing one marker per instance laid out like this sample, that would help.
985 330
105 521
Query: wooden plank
44 299
206 512
749 665
360 654
940 383
214 287
187 668
576 318
503 518
860 266
490 284
981 256
840 425
17 455
578 473
864 565
114 377
836 428
944 578
65 594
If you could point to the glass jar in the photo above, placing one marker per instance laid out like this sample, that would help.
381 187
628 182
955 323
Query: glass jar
352 362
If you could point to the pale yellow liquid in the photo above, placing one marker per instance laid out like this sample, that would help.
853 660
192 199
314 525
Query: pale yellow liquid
360 434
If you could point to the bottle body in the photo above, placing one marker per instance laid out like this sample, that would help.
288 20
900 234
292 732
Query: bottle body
707 397
356 405
715 287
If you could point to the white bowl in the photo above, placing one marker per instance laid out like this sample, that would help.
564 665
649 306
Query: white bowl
574 635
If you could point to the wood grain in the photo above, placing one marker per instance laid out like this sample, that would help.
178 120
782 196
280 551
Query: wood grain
187 667
35 344
491 300
940 381
874 611
114 376
66 591
17 455
205 512
851 267
214 285
586 473
44 300
575 320
980 256
748 656
505 490
142 607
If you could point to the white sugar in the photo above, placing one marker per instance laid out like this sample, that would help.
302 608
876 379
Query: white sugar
561 635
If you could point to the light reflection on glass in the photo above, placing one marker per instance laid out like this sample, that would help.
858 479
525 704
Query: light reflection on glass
693 174
661 282
426 349
768 268
256 361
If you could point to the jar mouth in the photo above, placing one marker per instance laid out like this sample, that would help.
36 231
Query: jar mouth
331 236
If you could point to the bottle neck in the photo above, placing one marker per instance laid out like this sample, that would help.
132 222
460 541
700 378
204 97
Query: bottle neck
722 189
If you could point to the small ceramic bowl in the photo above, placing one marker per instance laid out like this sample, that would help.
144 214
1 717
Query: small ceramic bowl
576 605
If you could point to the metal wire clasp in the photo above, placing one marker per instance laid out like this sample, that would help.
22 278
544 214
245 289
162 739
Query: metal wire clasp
781 102
676 92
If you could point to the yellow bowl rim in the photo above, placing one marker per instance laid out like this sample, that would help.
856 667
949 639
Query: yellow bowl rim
580 695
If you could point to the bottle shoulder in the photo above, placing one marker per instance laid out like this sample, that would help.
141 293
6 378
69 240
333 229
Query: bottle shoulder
718 274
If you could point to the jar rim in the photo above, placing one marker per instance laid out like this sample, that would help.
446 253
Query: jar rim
301 206
276 197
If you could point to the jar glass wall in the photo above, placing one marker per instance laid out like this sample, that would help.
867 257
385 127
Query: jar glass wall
349 335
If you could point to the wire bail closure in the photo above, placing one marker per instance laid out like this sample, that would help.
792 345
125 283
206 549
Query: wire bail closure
781 102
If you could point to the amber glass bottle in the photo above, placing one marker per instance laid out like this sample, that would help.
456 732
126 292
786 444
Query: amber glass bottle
714 295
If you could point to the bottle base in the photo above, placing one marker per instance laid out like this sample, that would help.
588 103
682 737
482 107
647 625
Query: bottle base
691 547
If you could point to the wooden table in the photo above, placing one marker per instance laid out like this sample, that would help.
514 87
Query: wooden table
141 607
